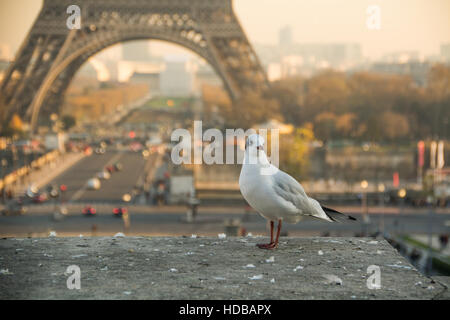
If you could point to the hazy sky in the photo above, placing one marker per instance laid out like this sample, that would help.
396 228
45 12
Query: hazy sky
421 25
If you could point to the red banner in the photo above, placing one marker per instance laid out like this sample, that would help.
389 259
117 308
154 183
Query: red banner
395 179
421 153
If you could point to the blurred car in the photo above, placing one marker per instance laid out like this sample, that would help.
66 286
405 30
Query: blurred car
53 191
13 208
32 191
87 150
39 198
160 196
104 175
89 211
136 146
110 169
100 150
118 212
118 166
93 184
60 213
442 193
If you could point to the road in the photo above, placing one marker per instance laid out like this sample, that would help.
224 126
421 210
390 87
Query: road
153 220
112 189
211 220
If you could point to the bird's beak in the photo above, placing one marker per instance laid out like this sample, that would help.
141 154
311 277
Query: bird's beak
246 144
260 148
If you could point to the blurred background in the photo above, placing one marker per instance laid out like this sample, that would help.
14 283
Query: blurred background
361 97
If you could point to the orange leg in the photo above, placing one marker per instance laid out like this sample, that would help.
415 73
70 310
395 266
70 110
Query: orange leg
266 245
271 231
272 244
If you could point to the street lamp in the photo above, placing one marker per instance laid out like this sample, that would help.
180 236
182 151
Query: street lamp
126 197
55 123
364 184
402 194
125 218
365 208
381 188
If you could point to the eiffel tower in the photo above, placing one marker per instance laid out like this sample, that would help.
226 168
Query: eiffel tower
52 52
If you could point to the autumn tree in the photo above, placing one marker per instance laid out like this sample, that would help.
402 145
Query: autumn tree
250 109
290 95
326 92
294 152
346 125
68 121
438 100
325 125
395 125
362 106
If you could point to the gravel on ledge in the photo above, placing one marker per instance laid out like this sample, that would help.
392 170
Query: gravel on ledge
208 268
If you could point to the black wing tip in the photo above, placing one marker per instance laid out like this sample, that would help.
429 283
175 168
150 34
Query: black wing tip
329 210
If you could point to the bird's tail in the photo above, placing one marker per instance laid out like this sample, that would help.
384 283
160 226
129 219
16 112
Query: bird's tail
337 216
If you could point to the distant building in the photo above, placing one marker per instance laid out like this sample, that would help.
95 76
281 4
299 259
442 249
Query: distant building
307 59
445 52
113 53
126 69
175 75
177 78
274 72
149 78
337 55
205 74
101 69
401 57
137 51
112 67
417 70
88 70
291 66
285 37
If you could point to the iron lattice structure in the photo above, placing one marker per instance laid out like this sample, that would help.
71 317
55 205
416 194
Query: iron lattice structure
52 53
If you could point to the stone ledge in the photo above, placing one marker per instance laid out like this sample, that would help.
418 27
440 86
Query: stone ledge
208 268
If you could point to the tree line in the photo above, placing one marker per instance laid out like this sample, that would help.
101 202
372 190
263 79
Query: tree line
359 106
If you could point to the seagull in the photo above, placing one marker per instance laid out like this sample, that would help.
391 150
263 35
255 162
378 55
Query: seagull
275 194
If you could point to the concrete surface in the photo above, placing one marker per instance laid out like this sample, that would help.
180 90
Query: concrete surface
208 268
